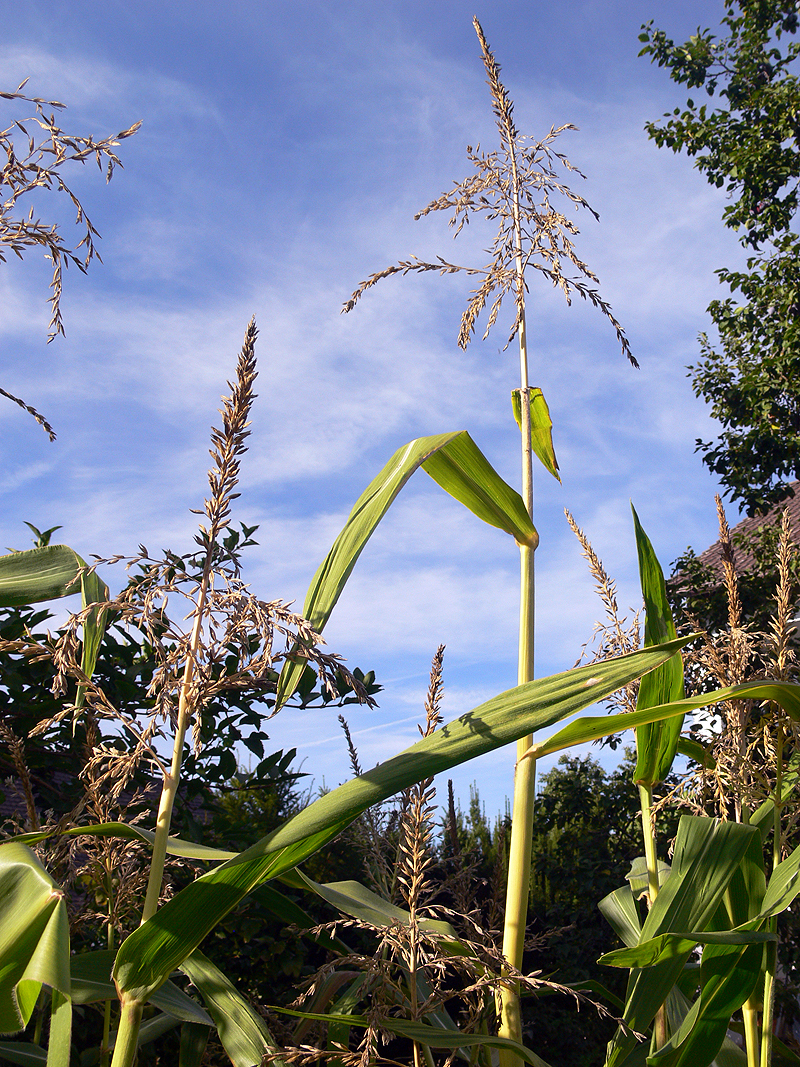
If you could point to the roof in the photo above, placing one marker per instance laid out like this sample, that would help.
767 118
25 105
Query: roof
745 561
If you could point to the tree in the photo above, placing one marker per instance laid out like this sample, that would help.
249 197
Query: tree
38 164
748 145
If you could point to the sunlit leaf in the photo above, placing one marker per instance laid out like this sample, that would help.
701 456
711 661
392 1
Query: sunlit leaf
457 464
541 428
152 952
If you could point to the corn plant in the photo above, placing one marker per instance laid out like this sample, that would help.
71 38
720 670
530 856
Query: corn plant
514 186
35 946
228 640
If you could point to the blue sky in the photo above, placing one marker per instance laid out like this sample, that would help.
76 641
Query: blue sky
283 152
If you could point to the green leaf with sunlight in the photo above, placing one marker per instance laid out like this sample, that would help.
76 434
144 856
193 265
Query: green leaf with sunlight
151 953
728 976
707 853
34 936
175 846
667 946
592 728
656 742
49 573
541 428
456 463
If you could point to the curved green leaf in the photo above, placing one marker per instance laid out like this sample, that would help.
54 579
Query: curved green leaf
51 572
457 464
38 574
541 428
242 1031
152 952
34 936
667 946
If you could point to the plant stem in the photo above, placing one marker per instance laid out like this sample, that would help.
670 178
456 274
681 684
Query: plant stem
768 1011
126 1045
751 1034
170 787
649 837
519 860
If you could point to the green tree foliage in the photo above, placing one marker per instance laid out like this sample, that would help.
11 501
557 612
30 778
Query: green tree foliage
746 142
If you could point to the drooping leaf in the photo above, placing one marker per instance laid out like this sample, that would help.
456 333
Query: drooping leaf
34 936
541 428
243 1033
426 1035
39 574
48 573
657 742
457 464
151 953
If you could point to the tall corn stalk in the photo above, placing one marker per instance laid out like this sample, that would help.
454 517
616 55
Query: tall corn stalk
514 185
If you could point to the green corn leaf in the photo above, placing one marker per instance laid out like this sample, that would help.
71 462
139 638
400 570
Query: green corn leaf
426 1035
24 1053
687 746
620 912
667 946
91 984
60 1036
457 464
38 574
579 732
706 855
784 886
151 953
541 428
763 816
194 1039
242 1031
657 742
353 898
729 975
34 936
48 573
175 846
